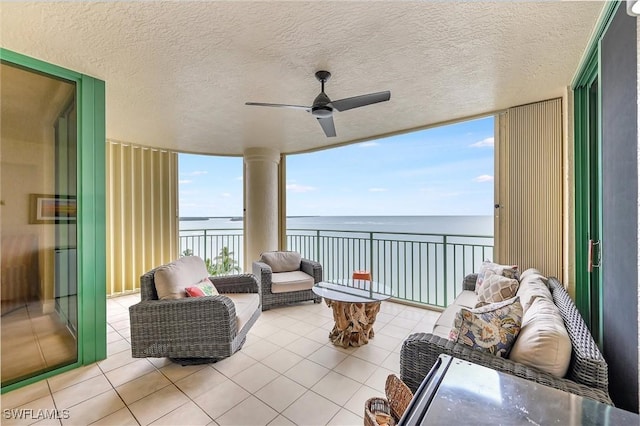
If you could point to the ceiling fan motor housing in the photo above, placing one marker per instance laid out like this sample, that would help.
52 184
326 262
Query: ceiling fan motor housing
322 106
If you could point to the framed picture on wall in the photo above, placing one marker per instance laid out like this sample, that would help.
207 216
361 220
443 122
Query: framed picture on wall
45 208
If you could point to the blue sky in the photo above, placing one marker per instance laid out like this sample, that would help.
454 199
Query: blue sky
442 171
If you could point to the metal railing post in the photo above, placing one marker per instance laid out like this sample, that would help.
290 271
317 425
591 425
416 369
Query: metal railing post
205 245
371 258
445 268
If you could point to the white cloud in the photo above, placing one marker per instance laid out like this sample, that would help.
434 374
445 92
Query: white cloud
378 189
368 144
484 143
239 178
483 178
225 195
184 181
294 187
198 173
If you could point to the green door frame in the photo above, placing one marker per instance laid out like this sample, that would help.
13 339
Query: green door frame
91 220
587 180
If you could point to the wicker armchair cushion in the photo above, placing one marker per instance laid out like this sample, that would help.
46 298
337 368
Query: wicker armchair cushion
543 342
291 281
246 305
171 279
531 287
282 261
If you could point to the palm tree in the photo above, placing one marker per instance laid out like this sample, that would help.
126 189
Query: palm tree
224 263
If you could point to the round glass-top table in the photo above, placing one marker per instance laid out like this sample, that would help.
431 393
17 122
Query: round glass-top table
355 305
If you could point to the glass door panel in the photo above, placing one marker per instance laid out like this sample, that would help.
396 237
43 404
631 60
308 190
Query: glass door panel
38 169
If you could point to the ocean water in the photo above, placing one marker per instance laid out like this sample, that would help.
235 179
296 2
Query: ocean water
449 225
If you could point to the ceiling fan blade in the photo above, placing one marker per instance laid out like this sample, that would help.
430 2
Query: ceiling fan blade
362 100
306 108
327 126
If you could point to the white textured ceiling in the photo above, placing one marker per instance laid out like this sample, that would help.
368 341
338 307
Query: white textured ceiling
178 73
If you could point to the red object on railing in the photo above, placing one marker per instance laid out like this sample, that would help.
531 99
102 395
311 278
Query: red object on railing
361 275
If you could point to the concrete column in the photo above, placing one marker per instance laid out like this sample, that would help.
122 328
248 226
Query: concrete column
261 202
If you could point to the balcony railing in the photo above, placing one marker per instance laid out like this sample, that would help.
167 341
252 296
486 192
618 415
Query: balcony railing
420 268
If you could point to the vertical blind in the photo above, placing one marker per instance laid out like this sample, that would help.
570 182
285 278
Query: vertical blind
529 187
142 213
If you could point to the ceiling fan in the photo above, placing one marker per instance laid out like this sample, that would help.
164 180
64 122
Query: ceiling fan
323 107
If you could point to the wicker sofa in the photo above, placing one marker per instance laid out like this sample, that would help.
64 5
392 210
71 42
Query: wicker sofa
285 277
193 330
587 374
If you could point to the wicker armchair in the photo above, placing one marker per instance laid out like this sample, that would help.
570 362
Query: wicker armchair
193 330
274 295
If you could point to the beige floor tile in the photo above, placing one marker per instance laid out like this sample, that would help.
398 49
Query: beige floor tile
264 330
252 339
49 422
307 373
280 393
118 346
261 349
221 398
385 342
356 369
283 337
255 377
372 354
251 411
175 372
320 335
283 322
122 417
187 414
94 409
160 362
282 360
113 336
156 405
346 418
301 328
378 379
126 373
200 382
234 364
145 385
327 356
311 409
336 387
383 319
82 391
26 414
25 395
303 346
394 331
405 323
73 377
392 362
116 360
356 403
281 421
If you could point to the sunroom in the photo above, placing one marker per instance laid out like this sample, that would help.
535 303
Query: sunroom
98 100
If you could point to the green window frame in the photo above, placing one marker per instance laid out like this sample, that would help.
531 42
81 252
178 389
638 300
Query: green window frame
92 299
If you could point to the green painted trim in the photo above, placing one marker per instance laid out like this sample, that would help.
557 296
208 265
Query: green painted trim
91 222
608 10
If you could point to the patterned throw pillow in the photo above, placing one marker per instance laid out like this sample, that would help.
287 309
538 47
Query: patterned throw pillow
496 288
491 328
489 268
203 288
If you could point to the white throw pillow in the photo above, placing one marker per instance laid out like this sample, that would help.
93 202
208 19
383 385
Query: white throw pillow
532 286
282 261
543 341
171 279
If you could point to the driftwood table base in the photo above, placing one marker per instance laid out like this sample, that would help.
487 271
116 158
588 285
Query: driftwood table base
353 322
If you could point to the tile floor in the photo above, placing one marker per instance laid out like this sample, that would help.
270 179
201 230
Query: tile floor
287 373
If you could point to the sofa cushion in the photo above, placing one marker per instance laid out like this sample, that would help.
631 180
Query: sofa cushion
283 282
204 288
489 268
496 288
532 286
246 305
282 261
466 299
491 328
543 342
171 279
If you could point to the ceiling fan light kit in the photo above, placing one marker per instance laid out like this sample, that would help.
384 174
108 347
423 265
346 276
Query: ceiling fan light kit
323 107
